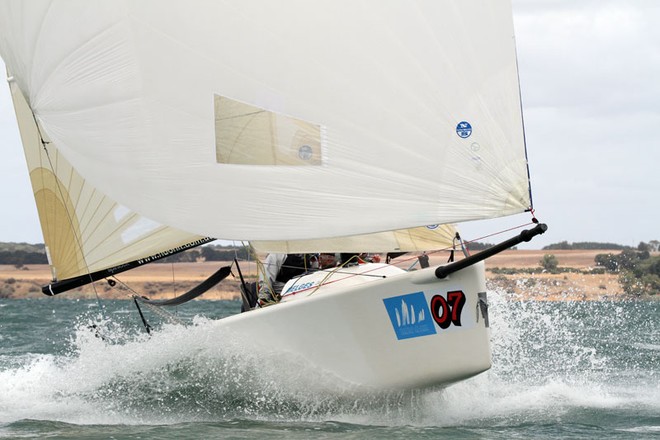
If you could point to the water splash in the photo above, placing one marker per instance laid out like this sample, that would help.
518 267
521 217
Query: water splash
559 361
551 361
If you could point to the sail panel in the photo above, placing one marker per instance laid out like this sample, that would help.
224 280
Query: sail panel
419 239
416 107
84 230
250 135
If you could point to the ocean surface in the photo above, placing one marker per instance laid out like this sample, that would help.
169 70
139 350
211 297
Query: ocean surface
574 370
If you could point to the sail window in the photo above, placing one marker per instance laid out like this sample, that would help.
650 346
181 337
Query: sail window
250 135
140 228
121 212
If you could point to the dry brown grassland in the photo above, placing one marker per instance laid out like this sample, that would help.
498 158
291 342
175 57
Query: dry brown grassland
167 280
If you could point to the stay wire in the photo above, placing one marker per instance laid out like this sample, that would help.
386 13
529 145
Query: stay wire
164 314
475 240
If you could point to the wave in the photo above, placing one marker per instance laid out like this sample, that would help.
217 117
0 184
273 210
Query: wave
550 362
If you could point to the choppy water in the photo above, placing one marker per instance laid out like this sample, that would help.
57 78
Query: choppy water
561 370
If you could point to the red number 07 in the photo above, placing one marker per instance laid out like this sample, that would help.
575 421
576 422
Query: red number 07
448 311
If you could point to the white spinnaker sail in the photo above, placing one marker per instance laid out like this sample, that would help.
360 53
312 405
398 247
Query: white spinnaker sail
398 113
84 230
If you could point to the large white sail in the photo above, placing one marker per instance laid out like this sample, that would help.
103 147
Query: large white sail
423 238
85 231
346 117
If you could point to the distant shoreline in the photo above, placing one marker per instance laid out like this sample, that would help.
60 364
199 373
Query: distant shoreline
167 280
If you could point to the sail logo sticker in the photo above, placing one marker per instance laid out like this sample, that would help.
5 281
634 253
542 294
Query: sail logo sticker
410 315
464 129
298 287
305 152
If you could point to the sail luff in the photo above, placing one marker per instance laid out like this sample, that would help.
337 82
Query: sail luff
522 119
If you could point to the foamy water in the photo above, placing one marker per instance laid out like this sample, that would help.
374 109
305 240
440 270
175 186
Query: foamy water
557 368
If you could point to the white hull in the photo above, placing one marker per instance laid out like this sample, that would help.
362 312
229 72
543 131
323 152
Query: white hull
360 333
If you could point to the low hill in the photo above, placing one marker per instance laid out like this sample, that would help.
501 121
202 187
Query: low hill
165 280
22 247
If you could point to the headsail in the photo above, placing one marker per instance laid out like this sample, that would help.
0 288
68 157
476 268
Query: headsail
407 111
424 238
85 231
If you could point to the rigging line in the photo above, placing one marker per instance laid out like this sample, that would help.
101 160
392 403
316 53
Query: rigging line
173 285
351 275
448 248
248 252
147 327
323 282
173 281
243 287
522 124
69 216
337 270
500 232
464 242
246 249
156 310
261 271
429 252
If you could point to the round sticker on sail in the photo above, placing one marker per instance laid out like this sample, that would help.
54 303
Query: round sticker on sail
464 129
305 152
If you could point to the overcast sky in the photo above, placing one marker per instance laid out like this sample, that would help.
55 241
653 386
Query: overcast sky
590 80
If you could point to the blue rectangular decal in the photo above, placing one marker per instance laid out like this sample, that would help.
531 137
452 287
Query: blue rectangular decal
410 315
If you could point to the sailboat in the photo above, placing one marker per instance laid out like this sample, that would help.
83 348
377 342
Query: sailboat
150 127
